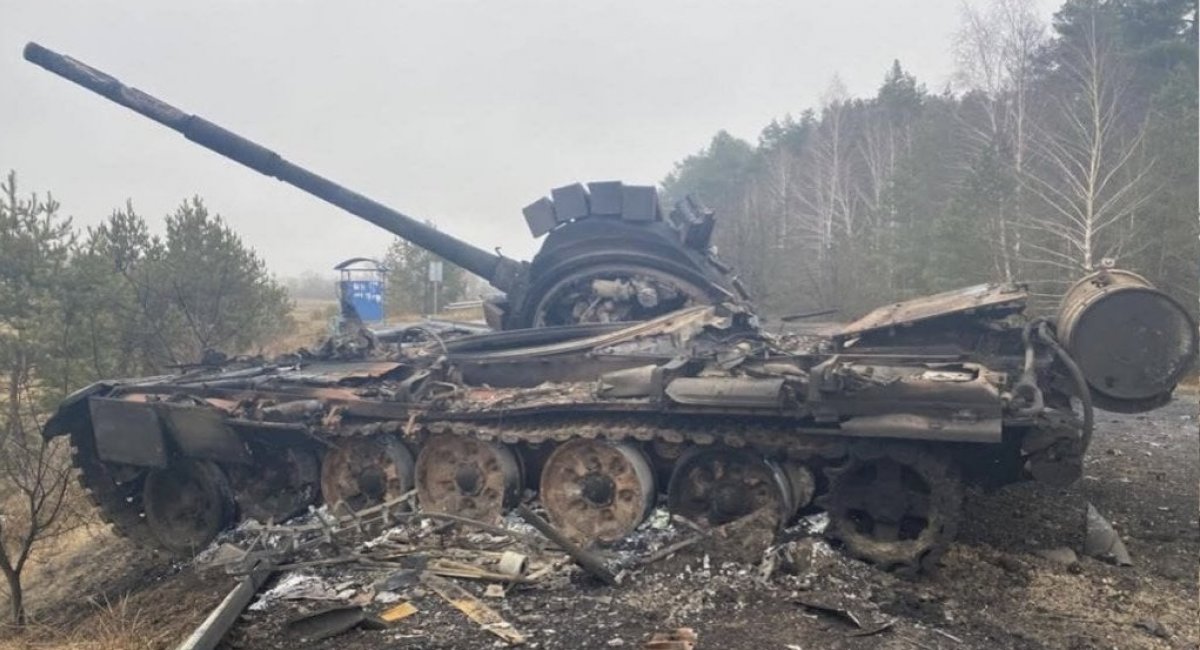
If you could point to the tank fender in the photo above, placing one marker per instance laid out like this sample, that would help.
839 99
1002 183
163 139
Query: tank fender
73 411
127 431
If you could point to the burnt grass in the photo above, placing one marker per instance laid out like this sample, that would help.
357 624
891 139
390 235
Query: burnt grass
993 590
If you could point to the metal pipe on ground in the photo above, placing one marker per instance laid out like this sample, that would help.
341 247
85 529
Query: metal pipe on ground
209 633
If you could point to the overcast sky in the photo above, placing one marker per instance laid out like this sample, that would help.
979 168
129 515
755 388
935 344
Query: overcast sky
456 112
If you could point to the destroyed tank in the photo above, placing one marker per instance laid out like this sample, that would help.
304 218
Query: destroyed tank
879 422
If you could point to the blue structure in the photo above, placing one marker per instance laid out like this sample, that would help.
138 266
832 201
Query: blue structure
360 287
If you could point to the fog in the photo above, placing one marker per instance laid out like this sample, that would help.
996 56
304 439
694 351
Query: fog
456 112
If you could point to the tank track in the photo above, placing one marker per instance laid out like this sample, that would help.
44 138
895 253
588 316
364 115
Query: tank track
671 431
120 503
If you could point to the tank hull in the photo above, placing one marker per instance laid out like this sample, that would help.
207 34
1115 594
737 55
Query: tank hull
699 409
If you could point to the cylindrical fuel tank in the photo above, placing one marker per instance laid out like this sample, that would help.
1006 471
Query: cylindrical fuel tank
1132 342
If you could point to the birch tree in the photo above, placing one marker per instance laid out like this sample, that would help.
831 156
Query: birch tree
1090 176
995 50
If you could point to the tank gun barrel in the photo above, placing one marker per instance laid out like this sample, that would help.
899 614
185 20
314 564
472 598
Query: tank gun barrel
501 272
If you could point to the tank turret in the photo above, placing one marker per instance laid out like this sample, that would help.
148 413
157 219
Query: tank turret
610 253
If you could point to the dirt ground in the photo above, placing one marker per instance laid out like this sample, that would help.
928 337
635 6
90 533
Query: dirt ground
993 591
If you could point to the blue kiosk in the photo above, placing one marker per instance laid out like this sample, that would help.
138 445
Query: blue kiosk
360 287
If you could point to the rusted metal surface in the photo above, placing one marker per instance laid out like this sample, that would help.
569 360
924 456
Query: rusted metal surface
468 477
596 491
366 470
1133 342
591 418
997 298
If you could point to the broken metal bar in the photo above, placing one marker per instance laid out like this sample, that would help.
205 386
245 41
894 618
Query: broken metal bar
473 608
214 628
589 561
668 551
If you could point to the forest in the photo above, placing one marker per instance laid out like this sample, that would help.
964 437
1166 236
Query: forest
1056 150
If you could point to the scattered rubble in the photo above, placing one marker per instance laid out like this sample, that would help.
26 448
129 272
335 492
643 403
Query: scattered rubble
369 569
1062 555
682 639
1102 540
331 622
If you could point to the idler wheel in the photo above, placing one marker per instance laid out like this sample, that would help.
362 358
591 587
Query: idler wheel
362 472
464 476
597 491
715 486
187 504
893 505
280 484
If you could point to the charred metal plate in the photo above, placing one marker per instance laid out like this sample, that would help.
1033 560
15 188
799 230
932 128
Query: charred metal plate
911 426
727 391
127 432
910 312
201 432
640 381
333 373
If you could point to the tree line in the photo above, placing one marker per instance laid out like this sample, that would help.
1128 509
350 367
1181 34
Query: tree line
1057 149
109 301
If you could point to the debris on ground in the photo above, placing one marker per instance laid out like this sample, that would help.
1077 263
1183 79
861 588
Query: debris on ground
1062 555
328 623
1102 540
1153 627
684 638
399 612
473 608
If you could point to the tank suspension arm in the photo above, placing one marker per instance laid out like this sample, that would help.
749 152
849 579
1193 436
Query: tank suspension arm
501 272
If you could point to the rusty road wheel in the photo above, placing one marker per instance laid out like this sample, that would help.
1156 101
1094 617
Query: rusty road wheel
597 491
468 477
893 505
187 504
715 486
280 484
363 472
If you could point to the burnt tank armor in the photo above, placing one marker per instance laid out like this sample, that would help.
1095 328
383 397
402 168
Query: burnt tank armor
878 422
